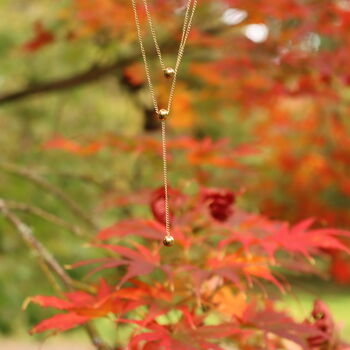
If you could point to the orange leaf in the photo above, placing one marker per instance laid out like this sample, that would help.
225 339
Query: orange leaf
230 303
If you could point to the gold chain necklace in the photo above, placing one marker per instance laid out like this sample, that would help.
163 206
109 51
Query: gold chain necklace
170 73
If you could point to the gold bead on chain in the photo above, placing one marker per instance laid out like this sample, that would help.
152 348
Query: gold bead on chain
163 114
169 72
168 241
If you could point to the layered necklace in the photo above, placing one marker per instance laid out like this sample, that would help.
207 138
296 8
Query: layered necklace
170 74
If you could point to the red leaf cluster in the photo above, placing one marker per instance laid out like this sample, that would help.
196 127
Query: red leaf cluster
81 307
210 271
220 203
42 37
322 319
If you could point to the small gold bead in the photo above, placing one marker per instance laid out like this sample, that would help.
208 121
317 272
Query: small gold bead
169 72
168 241
163 114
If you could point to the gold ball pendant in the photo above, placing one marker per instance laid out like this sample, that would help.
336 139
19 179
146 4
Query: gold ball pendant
169 72
163 114
168 241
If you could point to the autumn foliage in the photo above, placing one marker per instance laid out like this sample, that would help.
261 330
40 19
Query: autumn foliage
297 81
218 287
203 290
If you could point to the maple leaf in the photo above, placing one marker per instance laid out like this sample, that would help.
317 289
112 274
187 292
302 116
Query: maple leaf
271 321
229 303
311 239
233 266
42 37
220 203
157 204
256 230
60 323
150 229
143 228
61 143
82 307
139 262
189 333
202 152
323 321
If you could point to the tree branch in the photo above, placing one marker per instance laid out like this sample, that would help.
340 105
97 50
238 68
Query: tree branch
97 72
92 74
45 215
28 237
49 263
35 178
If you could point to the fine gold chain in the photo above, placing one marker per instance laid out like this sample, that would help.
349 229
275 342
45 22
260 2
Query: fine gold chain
162 113
185 33
185 29
143 52
165 182
190 10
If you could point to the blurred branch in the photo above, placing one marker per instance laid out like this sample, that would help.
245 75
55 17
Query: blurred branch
105 185
91 75
27 235
78 231
97 72
35 178
96 338
49 264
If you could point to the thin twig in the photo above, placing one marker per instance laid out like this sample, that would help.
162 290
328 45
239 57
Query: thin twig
78 231
49 274
27 235
95 337
38 180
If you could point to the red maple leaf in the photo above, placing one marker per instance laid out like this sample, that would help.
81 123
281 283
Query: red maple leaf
234 267
189 333
271 236
70 146
81 307
158 204
150 229
278 323
140 261
138 227
41 38
220 203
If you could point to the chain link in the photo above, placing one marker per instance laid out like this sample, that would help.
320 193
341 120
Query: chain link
165 179
185 34
186 28
190 10
154 35
144 56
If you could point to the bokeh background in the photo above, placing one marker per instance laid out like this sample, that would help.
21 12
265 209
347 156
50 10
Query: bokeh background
262 107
